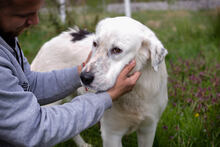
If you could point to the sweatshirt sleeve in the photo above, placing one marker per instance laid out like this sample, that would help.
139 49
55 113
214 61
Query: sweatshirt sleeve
51 86
23 122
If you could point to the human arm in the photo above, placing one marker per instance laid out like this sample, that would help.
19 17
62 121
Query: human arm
23 122
51 86
54 85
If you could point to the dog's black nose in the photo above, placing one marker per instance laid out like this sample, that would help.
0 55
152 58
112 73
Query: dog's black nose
87 77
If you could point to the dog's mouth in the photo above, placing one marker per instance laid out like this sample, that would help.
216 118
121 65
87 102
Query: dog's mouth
93 88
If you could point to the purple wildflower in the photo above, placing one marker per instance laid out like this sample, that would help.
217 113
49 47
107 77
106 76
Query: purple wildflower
171 137
189 100
174 104
165 127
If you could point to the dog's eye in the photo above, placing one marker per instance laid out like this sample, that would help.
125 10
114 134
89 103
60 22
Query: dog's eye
116 50
94 44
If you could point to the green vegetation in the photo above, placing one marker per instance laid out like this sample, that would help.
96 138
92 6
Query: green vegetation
192 117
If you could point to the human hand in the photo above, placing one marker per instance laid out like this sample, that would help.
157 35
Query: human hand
124 83
84 63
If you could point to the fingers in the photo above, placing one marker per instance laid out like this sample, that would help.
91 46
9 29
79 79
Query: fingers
128 67
134 77
124 83
88 58
84 63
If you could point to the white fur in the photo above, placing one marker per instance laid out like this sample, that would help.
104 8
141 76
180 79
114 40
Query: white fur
139 110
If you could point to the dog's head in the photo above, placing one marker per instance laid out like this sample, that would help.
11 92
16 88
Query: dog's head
119 40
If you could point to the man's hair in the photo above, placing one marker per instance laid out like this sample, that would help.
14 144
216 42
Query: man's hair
5 3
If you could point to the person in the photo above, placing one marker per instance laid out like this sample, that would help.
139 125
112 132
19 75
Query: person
23 120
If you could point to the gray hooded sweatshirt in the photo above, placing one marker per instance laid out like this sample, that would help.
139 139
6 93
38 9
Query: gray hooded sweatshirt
23 121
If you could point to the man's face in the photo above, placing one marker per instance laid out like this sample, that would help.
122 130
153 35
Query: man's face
18 16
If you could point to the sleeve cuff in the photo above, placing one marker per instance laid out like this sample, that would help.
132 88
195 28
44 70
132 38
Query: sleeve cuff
106 98
77 81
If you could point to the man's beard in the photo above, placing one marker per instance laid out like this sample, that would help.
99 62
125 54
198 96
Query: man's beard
15 33
8 34
20 30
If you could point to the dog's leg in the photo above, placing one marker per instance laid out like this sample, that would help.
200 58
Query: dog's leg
80 142
111 139
146 135
113 129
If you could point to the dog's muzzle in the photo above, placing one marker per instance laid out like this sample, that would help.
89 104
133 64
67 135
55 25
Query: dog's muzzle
86 77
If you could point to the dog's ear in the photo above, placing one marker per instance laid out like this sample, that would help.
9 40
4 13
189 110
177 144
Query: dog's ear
154 50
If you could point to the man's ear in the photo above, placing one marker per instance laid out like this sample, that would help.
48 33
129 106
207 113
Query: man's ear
156 51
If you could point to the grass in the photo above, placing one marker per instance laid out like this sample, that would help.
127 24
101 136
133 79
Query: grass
192 116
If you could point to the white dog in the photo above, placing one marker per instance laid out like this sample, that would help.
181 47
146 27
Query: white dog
116 42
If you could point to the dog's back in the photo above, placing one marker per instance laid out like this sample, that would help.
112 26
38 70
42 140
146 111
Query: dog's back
66 50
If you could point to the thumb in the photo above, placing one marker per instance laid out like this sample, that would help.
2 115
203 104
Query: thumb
88 58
